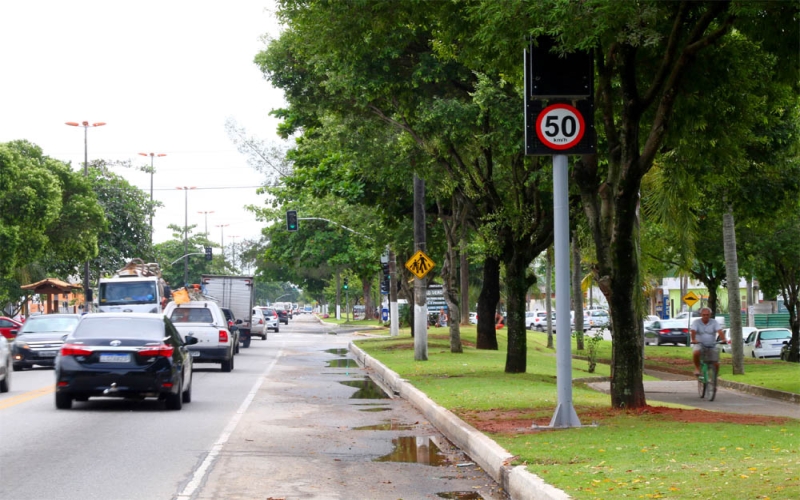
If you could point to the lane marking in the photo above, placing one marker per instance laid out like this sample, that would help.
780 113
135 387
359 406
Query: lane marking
205 467
27 396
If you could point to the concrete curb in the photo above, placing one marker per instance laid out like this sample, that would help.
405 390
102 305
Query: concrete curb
755 390
516 481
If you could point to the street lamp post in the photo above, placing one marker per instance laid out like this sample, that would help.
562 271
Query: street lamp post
186 234
87 292
222 238
152 171
233 248
206 212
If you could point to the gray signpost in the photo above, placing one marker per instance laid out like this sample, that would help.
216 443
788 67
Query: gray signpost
559 121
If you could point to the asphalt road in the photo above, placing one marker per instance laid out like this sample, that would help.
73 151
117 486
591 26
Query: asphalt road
283 425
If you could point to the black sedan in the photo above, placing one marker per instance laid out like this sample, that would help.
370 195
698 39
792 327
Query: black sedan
667 331
40 338
127 355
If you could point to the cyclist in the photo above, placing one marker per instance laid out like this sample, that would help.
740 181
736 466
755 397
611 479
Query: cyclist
704 332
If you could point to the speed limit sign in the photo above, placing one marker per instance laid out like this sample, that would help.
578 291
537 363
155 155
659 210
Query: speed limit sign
560 126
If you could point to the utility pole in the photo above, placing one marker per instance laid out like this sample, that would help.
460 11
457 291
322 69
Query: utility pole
420 284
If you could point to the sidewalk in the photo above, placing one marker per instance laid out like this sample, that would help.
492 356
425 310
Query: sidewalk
523 485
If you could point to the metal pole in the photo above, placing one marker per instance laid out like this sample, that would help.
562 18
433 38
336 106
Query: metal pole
420 284
151 198
565 415
86 288
186 236
394 315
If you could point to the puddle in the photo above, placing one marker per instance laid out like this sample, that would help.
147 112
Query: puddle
376 409
343 363
414 449
461 495
367 389
388 426
337 352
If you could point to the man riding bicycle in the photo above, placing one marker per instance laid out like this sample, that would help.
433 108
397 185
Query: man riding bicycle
704 332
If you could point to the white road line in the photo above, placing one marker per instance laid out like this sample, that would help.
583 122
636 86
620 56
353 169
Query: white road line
200 473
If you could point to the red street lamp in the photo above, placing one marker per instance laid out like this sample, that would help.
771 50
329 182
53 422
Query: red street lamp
152 171
206 212
87 295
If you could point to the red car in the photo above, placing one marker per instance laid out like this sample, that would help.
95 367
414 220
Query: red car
8 324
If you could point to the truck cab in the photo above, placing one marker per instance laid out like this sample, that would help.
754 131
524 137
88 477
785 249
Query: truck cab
137 287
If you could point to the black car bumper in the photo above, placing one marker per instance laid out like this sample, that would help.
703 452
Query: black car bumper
27 357
210 354
150 381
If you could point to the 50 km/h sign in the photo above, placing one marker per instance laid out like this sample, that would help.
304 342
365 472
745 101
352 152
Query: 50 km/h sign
560 126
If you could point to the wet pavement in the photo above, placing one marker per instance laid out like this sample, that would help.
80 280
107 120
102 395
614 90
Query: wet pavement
319 428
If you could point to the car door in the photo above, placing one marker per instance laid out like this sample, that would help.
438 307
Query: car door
182 358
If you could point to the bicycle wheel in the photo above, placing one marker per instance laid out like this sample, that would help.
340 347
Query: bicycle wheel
701 383
712 382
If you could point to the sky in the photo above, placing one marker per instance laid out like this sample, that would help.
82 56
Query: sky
164 75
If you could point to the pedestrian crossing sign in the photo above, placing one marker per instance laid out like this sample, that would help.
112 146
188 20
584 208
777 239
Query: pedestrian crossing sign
420 264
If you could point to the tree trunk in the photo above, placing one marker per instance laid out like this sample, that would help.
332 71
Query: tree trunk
449 271
548 291
734 300
487 304
369 307
465 305
517 285
577 295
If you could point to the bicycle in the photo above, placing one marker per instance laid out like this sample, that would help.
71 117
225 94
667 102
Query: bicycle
707 380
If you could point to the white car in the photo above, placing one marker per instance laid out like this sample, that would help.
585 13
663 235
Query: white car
540 322
205 321
766 342
264 318
598 318
473 318
746 331
5 365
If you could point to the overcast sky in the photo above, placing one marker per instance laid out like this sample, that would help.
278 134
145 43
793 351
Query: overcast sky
164 75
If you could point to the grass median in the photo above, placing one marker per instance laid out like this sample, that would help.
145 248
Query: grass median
656 452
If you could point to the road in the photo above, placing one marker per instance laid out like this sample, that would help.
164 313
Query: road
284 424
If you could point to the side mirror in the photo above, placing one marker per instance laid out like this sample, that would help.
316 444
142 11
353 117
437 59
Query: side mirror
239 322
14 333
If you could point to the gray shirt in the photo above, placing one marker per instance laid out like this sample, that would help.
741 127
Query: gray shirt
706 333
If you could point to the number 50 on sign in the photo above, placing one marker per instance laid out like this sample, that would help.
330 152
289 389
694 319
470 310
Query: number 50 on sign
560 126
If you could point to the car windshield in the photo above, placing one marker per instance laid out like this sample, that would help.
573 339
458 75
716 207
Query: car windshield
775 334
44 324
122 293
102 326
191 315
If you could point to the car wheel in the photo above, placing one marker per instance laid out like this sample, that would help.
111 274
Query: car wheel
17 368
227 365
5 384
246 342
186 397
277 329
63 401
263 336
174 401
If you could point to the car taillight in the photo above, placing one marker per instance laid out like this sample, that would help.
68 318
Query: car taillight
75 350
223 335
663 332
260 321
157 350
758 344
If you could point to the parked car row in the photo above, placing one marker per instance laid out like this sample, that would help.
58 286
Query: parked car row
123 354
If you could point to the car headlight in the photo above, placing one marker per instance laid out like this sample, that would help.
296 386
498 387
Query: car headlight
21 345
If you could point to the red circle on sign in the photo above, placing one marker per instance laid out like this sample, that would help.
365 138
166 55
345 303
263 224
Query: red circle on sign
560 126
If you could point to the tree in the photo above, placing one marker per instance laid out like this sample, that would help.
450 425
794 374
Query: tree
648 57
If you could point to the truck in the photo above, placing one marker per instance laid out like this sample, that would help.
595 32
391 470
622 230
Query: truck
137 287
236 293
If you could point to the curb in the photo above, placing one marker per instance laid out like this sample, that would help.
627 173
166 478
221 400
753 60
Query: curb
517 481
755 390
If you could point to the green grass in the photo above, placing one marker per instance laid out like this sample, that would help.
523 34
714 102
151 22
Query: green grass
629 454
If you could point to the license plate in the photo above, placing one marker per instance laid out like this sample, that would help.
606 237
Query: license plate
47 354
115 358
195 354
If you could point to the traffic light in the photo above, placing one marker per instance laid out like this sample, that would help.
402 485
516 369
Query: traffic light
291 220
345 286
385 268
208 253
385 285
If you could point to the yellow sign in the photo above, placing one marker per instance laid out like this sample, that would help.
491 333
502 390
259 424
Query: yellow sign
420 264
690 299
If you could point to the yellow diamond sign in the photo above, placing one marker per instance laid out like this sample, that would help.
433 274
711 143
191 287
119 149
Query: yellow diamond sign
691 299
420 264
